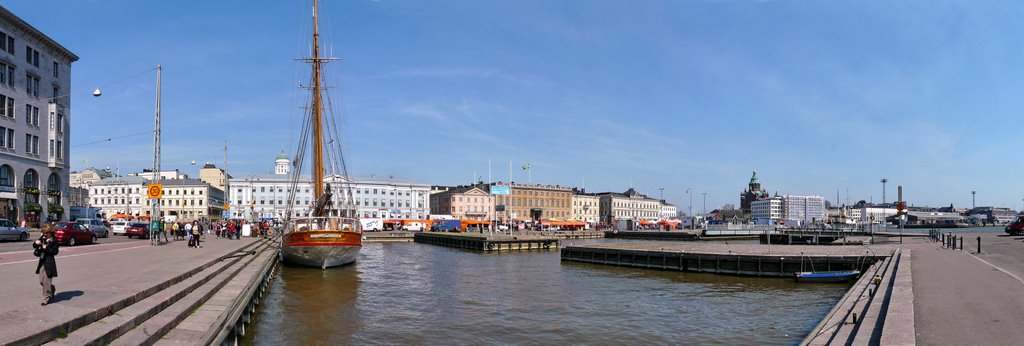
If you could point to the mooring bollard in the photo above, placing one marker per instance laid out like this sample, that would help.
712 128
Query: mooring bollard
961 243
979 244
942 237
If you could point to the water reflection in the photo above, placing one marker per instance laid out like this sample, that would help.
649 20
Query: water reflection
421 294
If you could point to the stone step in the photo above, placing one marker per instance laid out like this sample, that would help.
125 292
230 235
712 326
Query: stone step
153 328
108 328
224 315
73 318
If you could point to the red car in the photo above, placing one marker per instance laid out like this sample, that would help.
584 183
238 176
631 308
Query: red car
137 229
72 233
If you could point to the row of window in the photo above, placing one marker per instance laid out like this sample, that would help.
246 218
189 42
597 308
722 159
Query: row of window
31 178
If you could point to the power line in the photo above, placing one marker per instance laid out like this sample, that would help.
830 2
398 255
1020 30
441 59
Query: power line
113 138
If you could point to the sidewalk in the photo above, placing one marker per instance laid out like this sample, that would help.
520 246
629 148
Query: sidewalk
88 281
965 299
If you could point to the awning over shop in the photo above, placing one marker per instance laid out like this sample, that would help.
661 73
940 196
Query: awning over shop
32 207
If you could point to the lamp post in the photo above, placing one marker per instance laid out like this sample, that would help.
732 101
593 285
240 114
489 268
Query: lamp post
883 190
156 150
690 210
972 198
661 194
705 210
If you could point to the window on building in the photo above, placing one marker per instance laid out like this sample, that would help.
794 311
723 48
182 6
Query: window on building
32 85
60 150
56 68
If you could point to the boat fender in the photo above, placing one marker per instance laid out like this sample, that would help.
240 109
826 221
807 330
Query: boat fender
490 246
877 280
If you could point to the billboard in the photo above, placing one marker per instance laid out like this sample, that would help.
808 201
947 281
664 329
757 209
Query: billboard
499 190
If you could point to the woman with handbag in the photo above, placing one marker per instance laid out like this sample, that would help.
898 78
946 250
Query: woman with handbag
46 248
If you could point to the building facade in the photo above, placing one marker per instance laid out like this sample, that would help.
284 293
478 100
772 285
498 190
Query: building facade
266 196
216 177
586 207
629 205
119 195
88 176
770 208
668 211
188 199
804 208
534 202
35 111
464 202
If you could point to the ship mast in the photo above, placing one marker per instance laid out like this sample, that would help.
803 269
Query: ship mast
317 112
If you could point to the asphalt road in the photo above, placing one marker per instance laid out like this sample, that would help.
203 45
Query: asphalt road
13 245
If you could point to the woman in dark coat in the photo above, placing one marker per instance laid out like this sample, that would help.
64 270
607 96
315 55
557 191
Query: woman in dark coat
46 248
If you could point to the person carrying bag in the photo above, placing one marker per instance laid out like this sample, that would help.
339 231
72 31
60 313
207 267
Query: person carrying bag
46 247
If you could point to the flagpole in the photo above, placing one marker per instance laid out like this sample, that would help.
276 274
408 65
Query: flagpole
489 180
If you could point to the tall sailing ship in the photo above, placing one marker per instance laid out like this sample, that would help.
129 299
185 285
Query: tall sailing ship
328 233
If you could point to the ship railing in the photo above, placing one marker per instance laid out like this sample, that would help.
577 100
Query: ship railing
325 222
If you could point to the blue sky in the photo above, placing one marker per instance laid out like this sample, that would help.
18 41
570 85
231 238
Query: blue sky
818 96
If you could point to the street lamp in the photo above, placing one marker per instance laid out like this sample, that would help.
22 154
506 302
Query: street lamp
705 211
661 193
690 210
883 190
972 198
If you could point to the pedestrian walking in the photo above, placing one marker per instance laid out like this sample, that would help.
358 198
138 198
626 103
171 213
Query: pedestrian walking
195 231
46 247
187 230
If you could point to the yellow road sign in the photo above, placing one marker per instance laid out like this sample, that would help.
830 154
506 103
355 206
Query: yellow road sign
155 191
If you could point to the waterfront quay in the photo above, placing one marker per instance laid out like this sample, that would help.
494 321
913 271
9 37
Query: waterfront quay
490 241
737 259
653 235
132 293
919 291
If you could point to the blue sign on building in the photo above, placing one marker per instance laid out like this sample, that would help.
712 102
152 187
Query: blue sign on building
500 190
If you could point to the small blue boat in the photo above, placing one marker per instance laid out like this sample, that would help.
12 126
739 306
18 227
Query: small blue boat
829 276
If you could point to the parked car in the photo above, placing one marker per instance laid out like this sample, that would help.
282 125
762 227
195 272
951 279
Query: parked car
10 231
72 233
1016 227
117 227
137 229
96 226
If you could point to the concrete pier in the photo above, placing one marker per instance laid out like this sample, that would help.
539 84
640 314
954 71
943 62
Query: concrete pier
488 242
735 259
134 293
653 235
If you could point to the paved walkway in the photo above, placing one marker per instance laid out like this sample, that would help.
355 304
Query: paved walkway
90 277
962 298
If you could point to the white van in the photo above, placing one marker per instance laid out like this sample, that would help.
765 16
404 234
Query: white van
372 224
414 226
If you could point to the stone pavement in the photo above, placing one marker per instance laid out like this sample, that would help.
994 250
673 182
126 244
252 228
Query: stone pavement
91 279
963 298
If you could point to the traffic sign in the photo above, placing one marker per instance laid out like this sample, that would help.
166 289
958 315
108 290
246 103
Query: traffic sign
155 191
226 206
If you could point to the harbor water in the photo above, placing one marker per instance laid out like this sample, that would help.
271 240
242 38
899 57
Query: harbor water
408 293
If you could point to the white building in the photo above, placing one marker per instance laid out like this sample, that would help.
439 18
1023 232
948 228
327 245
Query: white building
35 111
188 199
874 214
804 208
119 195
265 195
164 174
586 208
767 209
629 205
668 211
